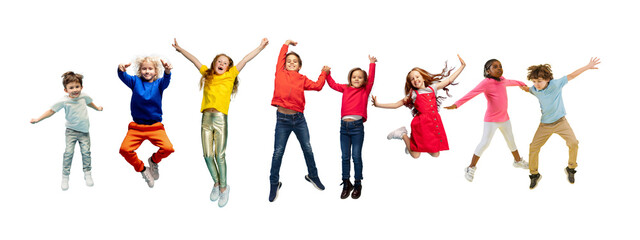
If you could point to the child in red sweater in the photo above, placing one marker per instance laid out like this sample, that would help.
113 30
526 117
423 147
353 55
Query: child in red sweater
288 96
355 95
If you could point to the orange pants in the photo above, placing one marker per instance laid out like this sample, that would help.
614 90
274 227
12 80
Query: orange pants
136 134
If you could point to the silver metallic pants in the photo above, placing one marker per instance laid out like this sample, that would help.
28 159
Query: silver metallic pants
214 145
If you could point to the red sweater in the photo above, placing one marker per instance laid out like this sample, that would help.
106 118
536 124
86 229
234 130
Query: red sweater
355 100
290 85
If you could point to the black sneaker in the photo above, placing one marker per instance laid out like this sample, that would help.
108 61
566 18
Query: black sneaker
273 193
315 181
346 188
570 174
535 178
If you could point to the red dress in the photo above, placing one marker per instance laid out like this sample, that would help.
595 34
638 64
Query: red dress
427 131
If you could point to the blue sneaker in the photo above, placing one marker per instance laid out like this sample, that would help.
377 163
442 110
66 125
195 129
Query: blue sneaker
273 193
315 181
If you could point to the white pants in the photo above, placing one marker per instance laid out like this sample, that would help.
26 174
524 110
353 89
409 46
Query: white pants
487 135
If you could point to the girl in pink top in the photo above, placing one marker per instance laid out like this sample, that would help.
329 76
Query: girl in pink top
355 95
427 130
494 87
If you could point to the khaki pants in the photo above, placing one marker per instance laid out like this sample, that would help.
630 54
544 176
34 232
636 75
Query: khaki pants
545 130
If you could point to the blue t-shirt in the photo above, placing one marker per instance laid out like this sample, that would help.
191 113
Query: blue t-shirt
146 97
550 99
75 110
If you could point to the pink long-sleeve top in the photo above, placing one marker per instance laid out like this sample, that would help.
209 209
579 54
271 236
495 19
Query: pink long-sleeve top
496 94
354 100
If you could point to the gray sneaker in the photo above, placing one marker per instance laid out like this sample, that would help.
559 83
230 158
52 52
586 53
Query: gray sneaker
469 172
153 167
146 174
88 179
65 182
224 197
521 164
215 193
397 134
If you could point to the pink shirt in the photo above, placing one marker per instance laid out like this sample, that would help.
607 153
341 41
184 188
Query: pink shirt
354 100
496 94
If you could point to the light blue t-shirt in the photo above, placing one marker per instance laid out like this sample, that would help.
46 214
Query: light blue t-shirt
75 111
550 99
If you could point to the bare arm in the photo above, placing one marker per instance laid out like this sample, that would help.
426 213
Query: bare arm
46 114
186 54
388 105
252 54
592 65
93 105
453 77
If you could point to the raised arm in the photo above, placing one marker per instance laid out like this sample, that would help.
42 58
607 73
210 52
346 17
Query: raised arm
46 114
283 54
453 76
317 85
372 71
186 54
252 54
333 84
167 66
388 105
592 65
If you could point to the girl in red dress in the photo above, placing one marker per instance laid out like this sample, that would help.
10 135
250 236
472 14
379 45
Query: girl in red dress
427 131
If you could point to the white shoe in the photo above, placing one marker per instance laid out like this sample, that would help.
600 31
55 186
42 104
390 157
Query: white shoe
65 182
521 164
154 169
146 174
397 134
215 193
224 197
88 179
469 172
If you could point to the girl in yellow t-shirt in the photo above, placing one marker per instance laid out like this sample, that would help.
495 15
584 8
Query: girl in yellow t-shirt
218 81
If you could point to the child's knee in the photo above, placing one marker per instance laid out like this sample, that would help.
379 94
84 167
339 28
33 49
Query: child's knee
573 144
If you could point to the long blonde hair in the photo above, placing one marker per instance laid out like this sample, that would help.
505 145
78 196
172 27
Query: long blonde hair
211 71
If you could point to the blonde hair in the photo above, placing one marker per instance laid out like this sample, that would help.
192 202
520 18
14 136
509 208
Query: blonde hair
211 71
153 60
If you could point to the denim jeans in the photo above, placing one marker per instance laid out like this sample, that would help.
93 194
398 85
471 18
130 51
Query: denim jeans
351 139
285 124
73 136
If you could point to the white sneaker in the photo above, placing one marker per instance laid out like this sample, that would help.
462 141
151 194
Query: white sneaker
65 182
215 193
224 197
146 174
469 172
88 179
521 164
397 134
154 169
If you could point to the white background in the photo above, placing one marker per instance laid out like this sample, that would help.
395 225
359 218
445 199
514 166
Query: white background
402 198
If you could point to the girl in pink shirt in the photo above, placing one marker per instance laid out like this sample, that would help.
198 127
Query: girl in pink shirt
494 87
355 95
427 130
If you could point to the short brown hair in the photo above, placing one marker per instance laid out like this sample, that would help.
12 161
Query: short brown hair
365 80
540 71
298 56
71 77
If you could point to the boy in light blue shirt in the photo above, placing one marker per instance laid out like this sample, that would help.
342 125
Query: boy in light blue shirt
75 107
549 94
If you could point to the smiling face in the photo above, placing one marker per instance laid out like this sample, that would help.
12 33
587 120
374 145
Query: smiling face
494 70
416 79
148 71
540 83
357 78
221 64
73 89
293 63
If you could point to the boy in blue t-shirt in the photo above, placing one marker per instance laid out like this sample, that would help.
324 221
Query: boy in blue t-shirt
549 94
75 108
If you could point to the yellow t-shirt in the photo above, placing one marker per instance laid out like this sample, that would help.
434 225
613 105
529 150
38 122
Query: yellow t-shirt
217 90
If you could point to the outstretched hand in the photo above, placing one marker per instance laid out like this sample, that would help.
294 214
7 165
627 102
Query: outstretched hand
290 42
451 107
461 61
374 101
264 43
372 59
593 62
525 88
326 69
167 66
175 45
123 67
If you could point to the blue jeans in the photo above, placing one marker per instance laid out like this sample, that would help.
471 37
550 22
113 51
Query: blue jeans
285 124
73 136
351 139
